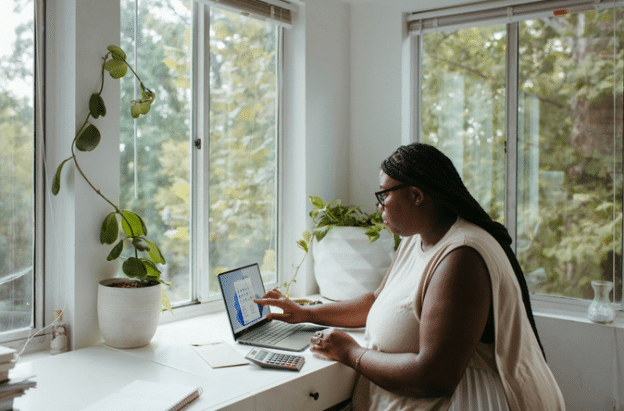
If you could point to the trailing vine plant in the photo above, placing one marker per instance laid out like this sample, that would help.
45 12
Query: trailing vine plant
120 227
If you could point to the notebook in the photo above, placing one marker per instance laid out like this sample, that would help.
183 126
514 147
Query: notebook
148 396
248 320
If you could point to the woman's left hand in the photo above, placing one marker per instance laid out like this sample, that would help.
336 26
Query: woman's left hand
333 344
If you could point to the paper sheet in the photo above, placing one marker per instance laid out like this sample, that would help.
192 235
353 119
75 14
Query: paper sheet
219 354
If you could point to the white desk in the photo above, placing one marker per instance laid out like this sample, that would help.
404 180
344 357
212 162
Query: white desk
74 380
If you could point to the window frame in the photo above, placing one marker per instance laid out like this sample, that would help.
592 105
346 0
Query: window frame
202 300
555 304
31 338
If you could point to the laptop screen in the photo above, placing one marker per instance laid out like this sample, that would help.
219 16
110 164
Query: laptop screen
239 287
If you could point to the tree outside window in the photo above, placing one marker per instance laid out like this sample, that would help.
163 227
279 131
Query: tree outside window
569 134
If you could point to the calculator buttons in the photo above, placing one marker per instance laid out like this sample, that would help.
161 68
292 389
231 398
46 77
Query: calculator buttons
270 359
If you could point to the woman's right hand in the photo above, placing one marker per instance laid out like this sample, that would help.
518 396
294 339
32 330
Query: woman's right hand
292 312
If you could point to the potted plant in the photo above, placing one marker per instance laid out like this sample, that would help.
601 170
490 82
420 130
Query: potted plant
128 308
355 253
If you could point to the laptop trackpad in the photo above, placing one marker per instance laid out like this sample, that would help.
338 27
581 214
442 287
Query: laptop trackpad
299 341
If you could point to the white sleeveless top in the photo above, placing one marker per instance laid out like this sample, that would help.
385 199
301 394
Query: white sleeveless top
393 326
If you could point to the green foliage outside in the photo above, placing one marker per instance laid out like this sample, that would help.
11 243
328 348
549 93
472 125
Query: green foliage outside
242 143
569 142
17 173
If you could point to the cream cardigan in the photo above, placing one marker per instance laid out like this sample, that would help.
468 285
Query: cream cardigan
527 380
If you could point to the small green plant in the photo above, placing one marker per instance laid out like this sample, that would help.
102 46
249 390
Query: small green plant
120 227
334 214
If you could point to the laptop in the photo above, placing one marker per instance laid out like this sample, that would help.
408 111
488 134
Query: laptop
248 320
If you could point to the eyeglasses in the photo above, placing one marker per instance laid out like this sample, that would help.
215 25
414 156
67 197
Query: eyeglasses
381 195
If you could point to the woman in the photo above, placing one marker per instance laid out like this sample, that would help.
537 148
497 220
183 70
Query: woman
450 327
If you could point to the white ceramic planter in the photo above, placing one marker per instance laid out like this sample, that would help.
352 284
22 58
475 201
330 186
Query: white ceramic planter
347 264
128 317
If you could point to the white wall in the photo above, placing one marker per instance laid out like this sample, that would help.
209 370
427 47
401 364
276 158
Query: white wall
587 359
316 130
78 33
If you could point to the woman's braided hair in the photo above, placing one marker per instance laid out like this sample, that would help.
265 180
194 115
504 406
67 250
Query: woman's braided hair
427 168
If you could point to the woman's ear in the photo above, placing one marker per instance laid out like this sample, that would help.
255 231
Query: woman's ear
417 194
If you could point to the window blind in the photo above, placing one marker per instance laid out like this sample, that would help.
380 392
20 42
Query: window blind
277 11
496 12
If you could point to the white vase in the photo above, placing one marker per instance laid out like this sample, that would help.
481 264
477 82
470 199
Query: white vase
128 317
347 264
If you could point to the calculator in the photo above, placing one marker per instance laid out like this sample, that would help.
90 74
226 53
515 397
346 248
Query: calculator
268 359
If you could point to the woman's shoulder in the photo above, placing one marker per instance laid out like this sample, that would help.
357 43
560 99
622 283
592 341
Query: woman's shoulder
470 233
466 234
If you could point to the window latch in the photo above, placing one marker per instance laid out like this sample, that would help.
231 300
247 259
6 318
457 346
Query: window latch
197 143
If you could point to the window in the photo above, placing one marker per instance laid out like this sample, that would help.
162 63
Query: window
17 168
530 111
202 167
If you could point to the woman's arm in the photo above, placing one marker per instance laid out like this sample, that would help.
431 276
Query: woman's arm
454 314
351 313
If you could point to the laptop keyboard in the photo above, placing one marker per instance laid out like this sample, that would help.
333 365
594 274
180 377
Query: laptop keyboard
272 333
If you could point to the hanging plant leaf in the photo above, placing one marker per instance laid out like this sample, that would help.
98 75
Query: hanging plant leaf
116 68
88 139
56 183
139 107
134 268
116 251
148 95
110 229
136 228
116 52
97 107
154 253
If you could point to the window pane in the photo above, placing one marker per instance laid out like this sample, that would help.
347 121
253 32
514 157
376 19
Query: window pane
570 152
16 165
155 149
243 143
156 152
463 107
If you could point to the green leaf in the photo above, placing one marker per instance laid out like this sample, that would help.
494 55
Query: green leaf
56 183
145 107
133 225
321 232
110 229
152 270
154 253
97 107
134 268
317 201
139 107
303 245
307 236
140 245
373 234
88 139
116 251
116 52
135 109
165 302
116 68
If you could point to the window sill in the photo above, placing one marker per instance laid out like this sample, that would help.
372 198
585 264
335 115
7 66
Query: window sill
191 311
568 309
